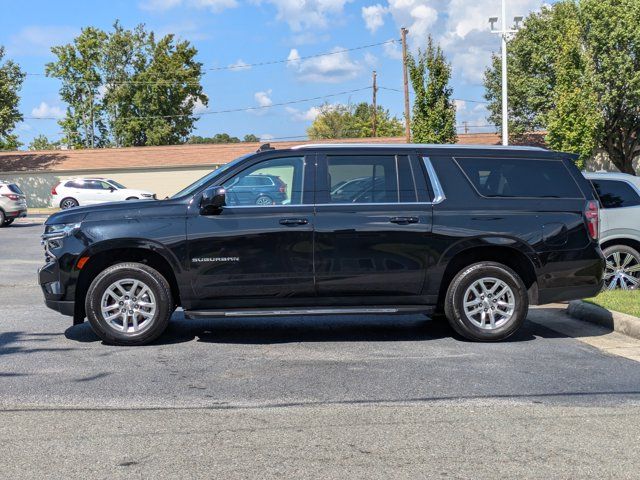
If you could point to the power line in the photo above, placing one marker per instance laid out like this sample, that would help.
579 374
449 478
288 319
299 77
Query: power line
230 110
228 67
458 99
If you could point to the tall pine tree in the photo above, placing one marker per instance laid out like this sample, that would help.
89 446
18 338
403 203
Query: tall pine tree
434 114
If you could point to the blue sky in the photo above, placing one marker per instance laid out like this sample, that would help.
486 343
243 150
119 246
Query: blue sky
230 31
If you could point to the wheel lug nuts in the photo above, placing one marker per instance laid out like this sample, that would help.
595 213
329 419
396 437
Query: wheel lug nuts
121 303
124 310
130 311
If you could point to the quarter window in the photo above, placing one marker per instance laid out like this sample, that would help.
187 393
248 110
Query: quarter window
278 181
616 194
497 177
369 179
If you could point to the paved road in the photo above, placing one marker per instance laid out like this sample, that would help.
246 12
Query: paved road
306 397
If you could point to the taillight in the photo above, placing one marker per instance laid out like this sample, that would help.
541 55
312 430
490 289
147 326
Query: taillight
53 190
11 196
592 215
283 189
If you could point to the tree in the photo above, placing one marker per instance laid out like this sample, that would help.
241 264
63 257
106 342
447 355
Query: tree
126 88
434 114
217 138
250 137
574 70
11 78
353 121
41 142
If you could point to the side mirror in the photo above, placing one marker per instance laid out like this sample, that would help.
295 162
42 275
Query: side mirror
112 189
213 199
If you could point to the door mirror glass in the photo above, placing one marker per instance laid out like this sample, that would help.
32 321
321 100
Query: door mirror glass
213 199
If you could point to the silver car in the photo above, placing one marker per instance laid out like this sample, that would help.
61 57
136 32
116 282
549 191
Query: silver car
13 203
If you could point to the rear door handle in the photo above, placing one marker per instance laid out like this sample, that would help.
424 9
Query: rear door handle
404 220
290 222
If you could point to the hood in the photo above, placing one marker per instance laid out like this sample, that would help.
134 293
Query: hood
107 211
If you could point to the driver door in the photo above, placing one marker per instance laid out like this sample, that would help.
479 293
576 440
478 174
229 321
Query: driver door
256 254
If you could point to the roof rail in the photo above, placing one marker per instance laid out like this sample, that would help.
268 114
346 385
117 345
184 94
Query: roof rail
417 145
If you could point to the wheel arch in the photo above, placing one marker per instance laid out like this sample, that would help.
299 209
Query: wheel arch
507 251
628 241
103 255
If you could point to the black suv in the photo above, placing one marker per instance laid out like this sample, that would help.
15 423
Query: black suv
477 233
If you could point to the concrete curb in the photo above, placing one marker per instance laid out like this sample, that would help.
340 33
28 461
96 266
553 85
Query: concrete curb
619 322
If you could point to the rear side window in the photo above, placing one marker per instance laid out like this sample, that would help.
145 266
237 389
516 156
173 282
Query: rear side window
370 179
15 189
497 177
75 184
616 194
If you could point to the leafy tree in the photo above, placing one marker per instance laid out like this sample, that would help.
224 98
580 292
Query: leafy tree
217 138
574 70
250 137
353 121
41 142
127 88
434 114
11 78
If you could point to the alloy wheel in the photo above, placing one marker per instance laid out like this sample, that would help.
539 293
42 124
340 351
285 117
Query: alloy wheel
489 303
128 306
622 271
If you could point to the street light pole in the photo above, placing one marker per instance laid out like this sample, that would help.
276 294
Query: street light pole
505 34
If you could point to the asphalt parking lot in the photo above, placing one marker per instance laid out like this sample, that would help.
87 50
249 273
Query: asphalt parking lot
321 397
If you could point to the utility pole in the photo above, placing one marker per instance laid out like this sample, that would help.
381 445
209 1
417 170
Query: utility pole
505 35
465 124
407 120
375 106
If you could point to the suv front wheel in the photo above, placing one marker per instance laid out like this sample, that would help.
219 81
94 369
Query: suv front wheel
129 304
486 302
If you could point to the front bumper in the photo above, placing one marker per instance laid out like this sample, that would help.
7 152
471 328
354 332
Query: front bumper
64 307
53 289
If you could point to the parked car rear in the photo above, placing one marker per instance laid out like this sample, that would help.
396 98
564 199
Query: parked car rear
13 203
619 195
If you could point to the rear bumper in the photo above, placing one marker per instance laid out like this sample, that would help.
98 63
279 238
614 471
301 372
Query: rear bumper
20 213
564 294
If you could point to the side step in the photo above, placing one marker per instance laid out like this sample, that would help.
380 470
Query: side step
252 312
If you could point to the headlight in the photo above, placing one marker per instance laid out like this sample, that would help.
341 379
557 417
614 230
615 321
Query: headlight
60 230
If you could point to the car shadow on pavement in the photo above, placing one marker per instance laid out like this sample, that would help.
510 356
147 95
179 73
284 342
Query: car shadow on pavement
274 330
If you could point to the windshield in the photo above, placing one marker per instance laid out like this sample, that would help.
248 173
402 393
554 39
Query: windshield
116 184
208 178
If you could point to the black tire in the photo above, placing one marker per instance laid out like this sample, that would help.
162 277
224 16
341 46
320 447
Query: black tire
624 251
3 219
454 302
68 202
156 283
8 222
132 198
264 200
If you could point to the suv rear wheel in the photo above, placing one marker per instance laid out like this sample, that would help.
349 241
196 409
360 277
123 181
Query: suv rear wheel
486 302
623 268
3 219
68 203
129 304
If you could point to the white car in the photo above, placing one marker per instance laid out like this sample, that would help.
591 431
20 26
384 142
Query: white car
90 191
619 227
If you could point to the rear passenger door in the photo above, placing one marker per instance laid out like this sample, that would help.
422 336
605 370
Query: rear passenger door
373 223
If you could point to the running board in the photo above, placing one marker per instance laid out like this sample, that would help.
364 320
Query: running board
310 311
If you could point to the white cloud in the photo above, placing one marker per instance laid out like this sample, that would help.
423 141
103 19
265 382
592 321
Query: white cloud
44 110
370 59
460 26
335 68
304 115
393 50
239 66
265 137
38 40
263 98
215 6
23 127
374 16
199 107
306 14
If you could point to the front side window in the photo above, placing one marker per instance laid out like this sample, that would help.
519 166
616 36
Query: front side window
497 177
616 194
277 181
370 179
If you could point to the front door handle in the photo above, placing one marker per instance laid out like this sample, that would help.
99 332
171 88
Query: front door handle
291 222
404 220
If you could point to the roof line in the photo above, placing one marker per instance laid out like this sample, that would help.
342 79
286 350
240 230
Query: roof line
417 145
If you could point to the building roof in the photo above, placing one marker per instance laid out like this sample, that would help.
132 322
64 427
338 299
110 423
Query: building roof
187 155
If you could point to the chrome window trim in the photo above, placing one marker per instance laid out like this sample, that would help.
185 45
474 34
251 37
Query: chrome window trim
438 192
378 204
